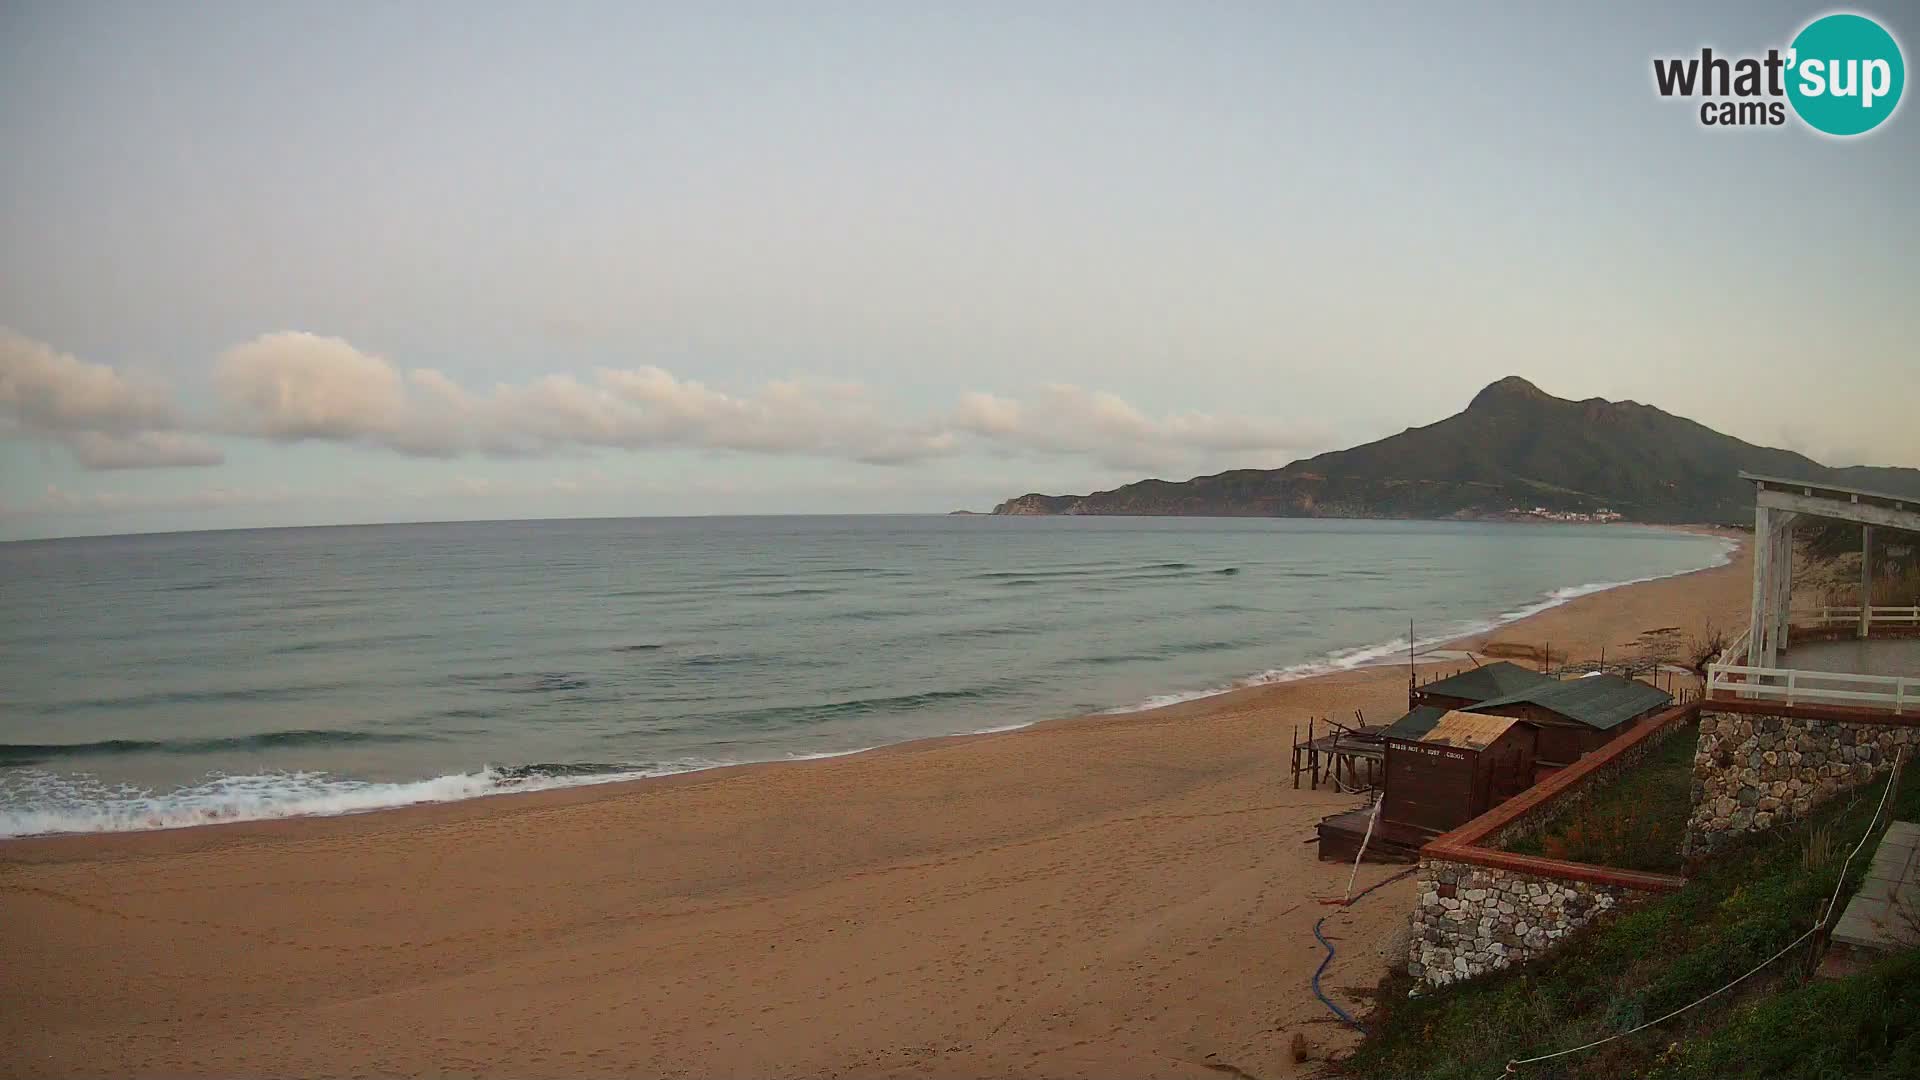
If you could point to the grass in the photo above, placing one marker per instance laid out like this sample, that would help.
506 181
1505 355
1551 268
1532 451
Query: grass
1864 1026
1633 822
1651 958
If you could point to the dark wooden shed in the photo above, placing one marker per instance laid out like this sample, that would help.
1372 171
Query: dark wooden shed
1445 767
1579 715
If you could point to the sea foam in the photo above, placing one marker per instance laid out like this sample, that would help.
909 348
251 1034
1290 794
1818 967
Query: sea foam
76 803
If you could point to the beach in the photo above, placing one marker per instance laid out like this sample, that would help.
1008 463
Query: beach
1124 895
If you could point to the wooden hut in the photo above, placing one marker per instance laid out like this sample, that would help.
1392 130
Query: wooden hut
1578 715
1446 768
1442 769
1484 683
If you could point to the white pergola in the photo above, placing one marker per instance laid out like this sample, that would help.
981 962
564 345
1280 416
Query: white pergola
1780 502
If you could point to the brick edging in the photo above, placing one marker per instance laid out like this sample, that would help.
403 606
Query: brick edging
1839 714
1645 881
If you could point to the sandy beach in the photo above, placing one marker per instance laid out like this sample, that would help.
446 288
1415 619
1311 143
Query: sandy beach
1127 895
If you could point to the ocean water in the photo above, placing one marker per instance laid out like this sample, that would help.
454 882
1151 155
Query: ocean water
167 680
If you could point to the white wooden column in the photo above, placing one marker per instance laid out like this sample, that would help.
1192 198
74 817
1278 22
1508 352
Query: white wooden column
1757 619
1770 621
1866 580
1783 606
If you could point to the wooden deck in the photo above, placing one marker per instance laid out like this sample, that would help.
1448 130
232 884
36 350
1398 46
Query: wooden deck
1341 834
1351 756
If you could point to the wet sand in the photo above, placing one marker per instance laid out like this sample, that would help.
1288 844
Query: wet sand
1108 896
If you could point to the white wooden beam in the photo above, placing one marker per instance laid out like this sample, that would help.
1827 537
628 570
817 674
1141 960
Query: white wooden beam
1864 513
1784 610
1779 558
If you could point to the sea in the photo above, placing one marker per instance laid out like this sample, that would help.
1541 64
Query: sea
167 680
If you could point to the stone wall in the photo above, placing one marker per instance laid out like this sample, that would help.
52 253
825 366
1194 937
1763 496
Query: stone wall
1753 771
1480 909
1470 920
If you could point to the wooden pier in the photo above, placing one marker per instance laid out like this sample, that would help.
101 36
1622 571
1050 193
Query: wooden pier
1349 755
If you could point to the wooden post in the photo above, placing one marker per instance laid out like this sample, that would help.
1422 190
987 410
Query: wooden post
1313 755
1296 757
1866 581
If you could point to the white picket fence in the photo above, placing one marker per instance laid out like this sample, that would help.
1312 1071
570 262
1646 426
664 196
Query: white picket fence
1793 686
1879 614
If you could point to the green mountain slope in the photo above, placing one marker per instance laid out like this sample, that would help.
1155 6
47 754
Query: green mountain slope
1514 445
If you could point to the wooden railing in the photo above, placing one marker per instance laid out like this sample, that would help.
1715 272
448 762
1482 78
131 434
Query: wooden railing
1850 616
1792 686
1736 650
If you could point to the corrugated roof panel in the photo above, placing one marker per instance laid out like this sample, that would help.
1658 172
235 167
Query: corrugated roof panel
1468 731
1490 681
1415 724
1603 702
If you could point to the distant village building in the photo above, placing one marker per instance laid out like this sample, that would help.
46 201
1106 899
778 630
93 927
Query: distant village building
1601 516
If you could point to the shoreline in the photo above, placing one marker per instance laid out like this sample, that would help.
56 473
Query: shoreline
1377 655
1090 896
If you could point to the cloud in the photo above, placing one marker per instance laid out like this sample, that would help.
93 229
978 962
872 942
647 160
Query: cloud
294 387
59 500
105 419
141 450
1071 420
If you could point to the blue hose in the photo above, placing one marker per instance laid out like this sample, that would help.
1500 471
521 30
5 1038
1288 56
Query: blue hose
1328 959
1324 999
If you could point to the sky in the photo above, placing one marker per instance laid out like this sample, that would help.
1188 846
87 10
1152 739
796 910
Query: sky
276 263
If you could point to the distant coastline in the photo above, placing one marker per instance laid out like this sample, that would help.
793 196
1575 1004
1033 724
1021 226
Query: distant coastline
1515 452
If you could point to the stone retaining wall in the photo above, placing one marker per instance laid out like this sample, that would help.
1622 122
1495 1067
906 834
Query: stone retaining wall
1752 771
1474 919
1481 909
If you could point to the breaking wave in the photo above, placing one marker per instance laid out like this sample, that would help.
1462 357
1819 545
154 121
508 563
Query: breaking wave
34 753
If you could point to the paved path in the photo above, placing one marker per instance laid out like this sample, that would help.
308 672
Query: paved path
1886 911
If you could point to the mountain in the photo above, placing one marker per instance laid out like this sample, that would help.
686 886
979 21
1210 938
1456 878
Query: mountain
1513 446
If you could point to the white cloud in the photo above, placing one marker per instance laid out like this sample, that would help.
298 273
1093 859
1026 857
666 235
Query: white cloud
291 386
105 419
141 450
59 500
1072 420
303 386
